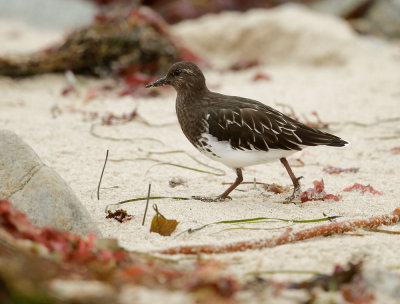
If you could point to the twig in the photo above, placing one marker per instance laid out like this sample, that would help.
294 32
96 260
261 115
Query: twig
101 176
289 236
147 204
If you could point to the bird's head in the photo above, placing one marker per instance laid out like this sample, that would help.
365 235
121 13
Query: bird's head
184 75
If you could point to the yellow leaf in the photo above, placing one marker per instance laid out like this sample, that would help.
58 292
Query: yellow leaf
163 226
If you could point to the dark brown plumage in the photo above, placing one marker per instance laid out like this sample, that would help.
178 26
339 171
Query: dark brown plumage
237 131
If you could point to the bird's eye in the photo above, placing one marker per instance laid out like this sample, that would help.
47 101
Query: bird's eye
176 73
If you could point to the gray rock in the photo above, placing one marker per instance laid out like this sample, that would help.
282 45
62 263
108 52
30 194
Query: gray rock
383 18
378 17
37 190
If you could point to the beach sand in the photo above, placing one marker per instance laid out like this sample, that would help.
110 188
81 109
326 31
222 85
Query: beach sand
315 63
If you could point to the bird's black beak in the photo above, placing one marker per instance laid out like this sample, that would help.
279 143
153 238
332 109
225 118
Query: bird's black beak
159 82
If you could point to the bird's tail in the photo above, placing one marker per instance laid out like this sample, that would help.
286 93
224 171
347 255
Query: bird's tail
313 137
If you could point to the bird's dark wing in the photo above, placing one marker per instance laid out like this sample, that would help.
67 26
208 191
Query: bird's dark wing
252 125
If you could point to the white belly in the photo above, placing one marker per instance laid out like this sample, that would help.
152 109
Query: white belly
222 151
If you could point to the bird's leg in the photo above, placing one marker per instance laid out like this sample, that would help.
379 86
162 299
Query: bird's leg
239 179
295 181
223 196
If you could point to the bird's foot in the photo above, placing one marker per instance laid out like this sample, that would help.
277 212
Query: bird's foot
294 197
209 199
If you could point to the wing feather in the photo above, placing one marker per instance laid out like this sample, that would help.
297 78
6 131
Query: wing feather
248 124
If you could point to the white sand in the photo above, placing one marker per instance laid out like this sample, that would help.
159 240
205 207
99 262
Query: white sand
325 68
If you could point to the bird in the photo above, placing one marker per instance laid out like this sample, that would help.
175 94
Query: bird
237 131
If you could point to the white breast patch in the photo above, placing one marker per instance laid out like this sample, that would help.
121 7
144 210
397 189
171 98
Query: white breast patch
222 151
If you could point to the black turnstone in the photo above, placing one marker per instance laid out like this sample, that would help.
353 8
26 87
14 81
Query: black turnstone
237 131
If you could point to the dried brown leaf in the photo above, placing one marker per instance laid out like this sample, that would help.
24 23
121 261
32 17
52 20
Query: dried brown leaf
162 225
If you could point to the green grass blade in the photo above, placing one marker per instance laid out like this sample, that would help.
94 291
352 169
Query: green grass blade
144 199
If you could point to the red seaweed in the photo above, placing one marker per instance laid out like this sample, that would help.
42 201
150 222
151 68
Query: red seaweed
338 170
72 247
289 111
261 76
317 193
244 65
395 150
367 188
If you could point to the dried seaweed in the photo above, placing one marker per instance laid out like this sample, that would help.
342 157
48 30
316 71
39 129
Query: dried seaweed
177 10
107 118
290 236
134 85
317 193
29 272
113 45
261 76
349 281
337 170
119 215
339 277
363 189
395 150
111 119
274 188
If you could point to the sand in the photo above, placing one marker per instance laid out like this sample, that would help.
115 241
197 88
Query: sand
325 68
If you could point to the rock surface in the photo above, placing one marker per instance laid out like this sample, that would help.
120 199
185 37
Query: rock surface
37 190
261 34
